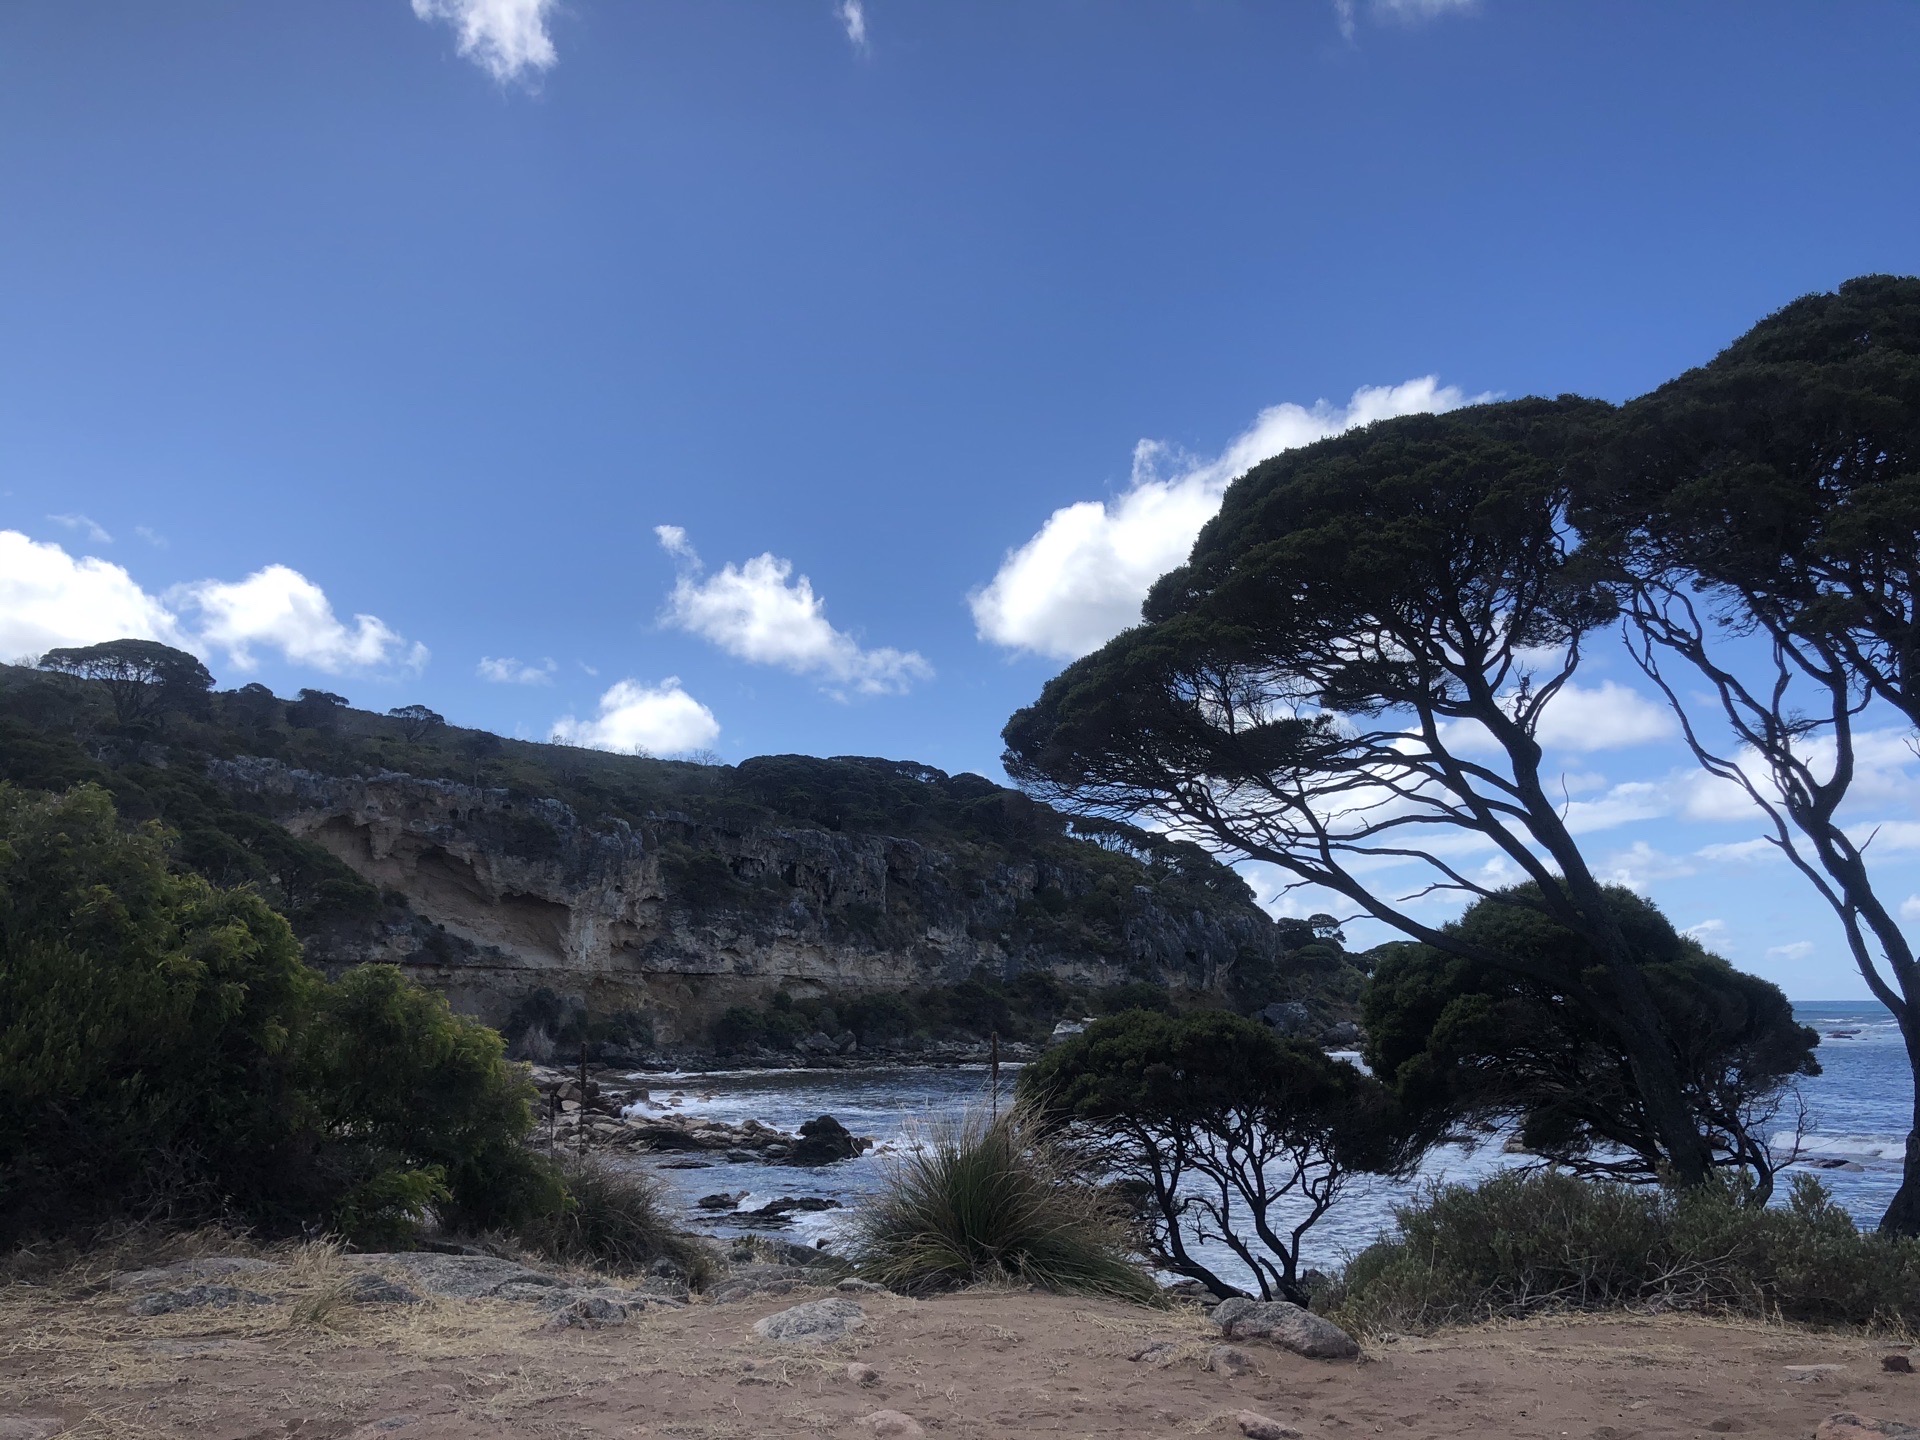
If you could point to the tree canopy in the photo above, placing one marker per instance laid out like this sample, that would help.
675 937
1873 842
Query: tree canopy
1226 1131
1461 1041
144 677
1349 674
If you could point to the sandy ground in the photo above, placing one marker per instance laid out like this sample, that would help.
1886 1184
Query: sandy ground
972 1365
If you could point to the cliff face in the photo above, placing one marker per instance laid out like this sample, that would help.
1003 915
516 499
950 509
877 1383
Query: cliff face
677 916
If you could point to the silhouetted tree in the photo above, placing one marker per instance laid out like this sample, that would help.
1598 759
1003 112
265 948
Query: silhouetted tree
143 677
417 720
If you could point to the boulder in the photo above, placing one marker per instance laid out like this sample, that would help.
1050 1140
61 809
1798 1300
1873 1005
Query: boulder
195 1297
1286 1325
1848 1426
816 1323
892 1425
208 1267
749 1280
457 1277
1256 1426
588 1312
824 1141
367 1289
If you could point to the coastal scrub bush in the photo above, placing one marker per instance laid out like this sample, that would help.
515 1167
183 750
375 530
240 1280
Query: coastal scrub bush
613 1220
1223 1130
993 1200
1527 1242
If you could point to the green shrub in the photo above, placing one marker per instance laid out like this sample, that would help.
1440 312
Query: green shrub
613 1220
991 1200
1525 1242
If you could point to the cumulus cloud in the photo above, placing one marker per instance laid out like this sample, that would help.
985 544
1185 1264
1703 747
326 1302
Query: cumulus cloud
86 525
49 599
1794 950
1639 866
1609 716
278 608
759 612
1910 908
508 671
506 38
1080 580
636 719
853 17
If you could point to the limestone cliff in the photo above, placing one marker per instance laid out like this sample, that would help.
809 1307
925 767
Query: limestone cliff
676 916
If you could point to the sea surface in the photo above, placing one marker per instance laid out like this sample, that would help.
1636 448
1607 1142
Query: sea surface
1853 1135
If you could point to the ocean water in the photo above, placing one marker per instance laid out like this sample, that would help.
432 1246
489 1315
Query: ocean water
1853 1135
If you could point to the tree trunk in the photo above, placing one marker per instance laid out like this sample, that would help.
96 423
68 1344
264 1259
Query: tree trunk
1903 1215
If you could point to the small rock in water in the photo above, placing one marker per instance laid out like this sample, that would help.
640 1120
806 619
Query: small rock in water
165 1302
893 1425
861 1374
817 1322
1256 1426
1230 1360
1847 1426
824 1141
1286 1325
722 1201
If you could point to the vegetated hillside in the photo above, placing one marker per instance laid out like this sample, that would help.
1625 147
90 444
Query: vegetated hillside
568 894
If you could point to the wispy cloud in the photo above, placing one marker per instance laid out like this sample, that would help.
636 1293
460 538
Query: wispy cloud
853 16
760 612
1346 13
151 536
506 38
508 671
86 525
1080 580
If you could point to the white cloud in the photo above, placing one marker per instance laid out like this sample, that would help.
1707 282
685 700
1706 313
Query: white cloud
1706 930
1624 804
279 608
1881 837
1080 580
49 599
1407 12
506 38
1740 851
508 671
1639 866
151 536
86 525
1794 950
1609 717
1910 908
853 16
758 612
636 719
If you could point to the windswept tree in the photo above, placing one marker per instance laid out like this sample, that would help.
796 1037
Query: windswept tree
1227 1133
1347 680
1461 1043
1762 515
417 721
143 677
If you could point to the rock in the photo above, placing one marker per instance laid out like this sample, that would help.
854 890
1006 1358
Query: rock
1811 1374
588 1312
750 1280
1896 1364
861 1374
1847 1426
824 1141
456 1277
1286 1017
893 1425
1189 1290
778 1211
30 1427
815 1323
195 1297
1230 1360
373 1429
1341 1035
1258 1427
1160 1354
1286 1325
206 1268
722 1202
854 1286
365 1289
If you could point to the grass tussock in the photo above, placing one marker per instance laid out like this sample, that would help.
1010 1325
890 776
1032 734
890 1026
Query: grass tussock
992 1200
1526 1243
614 1220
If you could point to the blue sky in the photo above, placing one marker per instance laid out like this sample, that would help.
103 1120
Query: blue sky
432 311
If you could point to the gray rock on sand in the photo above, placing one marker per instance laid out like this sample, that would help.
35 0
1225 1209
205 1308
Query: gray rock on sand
1256 1426
195 1297
816 1323
861 1374
892 1425
589 1312
1811 1374
207 1267
1160 1354
1286 1325
1230 1360
369 1289
458 1277
853 1286
30 1427
1848 1426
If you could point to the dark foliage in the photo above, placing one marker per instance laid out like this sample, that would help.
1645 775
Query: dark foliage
1461 1042
144 677
1224 1130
